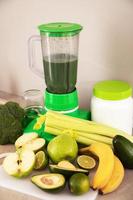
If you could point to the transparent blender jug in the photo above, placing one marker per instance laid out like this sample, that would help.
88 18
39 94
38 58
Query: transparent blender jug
59 42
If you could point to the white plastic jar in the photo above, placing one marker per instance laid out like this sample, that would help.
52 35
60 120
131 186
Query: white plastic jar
112 104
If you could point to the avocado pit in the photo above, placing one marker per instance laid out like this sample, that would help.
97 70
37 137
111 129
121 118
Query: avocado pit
47 181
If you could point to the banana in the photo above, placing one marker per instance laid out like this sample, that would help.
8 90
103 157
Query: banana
106 163
116 178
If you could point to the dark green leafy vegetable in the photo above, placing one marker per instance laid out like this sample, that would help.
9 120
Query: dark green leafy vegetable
11 118
15 110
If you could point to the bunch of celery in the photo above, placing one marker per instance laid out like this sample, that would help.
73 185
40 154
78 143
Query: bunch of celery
84 131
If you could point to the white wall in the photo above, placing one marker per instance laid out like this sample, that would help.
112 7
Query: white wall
106 43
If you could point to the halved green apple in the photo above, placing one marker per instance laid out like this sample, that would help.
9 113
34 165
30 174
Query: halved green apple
30 141
35 145
24 139
19 164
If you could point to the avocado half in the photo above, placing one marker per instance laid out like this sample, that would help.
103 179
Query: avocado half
65 171
50 182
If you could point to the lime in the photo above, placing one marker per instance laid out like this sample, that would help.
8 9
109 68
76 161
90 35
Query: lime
86 162
79 184
41 160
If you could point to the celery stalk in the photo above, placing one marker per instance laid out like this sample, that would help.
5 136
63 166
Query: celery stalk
81 138
83 127
54 119
98 138
78 138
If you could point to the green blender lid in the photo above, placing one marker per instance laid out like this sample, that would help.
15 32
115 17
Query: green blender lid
112 90
60 29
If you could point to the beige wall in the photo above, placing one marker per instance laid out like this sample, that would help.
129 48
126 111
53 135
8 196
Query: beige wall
106 43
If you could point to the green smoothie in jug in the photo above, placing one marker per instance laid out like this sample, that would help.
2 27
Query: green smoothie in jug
60 73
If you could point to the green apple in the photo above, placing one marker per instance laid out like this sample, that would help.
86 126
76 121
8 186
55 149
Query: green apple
35 145
62 147
19 164
24 139
30 141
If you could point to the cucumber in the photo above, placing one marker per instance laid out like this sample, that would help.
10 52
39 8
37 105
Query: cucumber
123 149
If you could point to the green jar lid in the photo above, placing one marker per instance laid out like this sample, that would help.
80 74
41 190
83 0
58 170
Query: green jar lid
112 90
61 102
60 29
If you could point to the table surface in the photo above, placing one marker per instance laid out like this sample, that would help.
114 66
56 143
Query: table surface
124 192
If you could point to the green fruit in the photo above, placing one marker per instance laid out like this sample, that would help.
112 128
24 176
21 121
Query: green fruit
41 160
79 184
62 147
35 145
24 139
67 172
66 164
86 162
19 164
49 182
124 150
30 141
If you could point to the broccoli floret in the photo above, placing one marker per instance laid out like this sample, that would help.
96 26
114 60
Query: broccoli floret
14 132
16 110
11 117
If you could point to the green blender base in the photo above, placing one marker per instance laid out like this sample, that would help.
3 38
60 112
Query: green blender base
63 103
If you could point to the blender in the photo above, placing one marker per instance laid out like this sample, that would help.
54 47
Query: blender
59 43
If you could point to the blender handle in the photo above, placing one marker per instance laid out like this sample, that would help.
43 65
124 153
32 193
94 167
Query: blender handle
31 53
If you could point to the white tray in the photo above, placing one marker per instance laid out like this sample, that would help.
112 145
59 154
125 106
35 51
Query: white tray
26 187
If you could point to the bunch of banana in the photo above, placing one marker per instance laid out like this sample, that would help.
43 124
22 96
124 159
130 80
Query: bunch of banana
110 171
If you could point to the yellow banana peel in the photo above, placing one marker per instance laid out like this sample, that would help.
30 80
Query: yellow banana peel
116 178
106 163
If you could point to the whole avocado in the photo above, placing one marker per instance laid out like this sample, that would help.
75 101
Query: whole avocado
124 150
